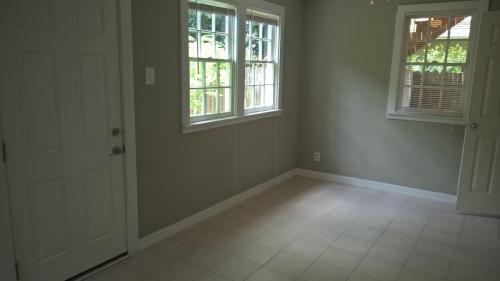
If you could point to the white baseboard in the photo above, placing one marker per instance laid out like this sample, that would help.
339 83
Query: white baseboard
442 197
177 227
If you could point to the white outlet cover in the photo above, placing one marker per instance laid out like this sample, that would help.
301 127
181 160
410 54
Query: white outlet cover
150 76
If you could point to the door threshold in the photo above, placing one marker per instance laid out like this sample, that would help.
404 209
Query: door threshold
98 268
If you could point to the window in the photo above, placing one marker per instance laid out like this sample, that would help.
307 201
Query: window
211 60
230 75
260 64
432 62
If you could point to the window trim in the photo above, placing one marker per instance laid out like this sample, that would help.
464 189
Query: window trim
475 8
238 113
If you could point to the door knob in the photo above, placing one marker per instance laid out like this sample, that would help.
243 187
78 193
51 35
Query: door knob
116 132
117 150
474 126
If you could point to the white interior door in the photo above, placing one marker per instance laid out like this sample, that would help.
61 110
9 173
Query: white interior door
60 100
479 183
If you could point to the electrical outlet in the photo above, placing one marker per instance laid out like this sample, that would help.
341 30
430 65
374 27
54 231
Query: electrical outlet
317 156
150 76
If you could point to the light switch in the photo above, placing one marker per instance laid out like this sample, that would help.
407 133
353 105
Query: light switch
150 76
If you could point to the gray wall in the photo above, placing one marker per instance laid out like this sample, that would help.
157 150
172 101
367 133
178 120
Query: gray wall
179 175
343 105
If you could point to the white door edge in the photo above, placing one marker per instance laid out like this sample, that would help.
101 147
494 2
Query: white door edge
130 171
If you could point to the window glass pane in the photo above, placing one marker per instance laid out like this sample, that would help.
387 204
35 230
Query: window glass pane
225 74
259 73
224 100
196 102
433 75
416 51
439 28
418 29
436 52
266 53
430 98
207 45
265 31
255 49
211 101
220 23
247 49
196 74
259 96
221 47
457 52
454 76
193 44
413 75
255 30
249 97
460 27
269 94
193 21
452 100
249 79
269 73
247 28
206 21
211 74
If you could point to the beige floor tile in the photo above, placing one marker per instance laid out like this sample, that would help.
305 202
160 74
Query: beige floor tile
399 241
149 262
321 271
413 275
236 268
258 252
353 244
389 254
307 248
434 250
341 258
207 257
462 273
364 232
290 263
180 271
269 274
431 266
210 276
378 269
359 277
321 235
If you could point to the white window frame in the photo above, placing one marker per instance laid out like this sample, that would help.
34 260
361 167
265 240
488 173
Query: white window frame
475 8
238 114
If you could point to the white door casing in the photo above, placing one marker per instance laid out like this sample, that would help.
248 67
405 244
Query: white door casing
479 182
60 87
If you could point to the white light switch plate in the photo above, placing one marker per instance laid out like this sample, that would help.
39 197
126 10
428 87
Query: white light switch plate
150 76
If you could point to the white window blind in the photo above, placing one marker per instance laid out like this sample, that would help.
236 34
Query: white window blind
435 62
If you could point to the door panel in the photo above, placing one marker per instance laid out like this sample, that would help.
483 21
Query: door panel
60 99
479 182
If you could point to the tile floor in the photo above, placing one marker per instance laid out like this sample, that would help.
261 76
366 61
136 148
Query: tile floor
310 230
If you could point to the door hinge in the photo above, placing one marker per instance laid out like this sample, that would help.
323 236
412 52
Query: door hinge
16 265
4 152
124 149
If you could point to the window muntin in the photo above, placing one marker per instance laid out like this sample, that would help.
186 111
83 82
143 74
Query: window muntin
211 59
260 61
435 63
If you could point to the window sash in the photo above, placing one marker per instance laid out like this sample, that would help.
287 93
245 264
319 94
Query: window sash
432 108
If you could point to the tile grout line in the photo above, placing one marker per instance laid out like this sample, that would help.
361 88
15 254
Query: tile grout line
456 247
375 242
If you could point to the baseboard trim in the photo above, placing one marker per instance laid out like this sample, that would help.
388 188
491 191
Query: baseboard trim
186 223
442 197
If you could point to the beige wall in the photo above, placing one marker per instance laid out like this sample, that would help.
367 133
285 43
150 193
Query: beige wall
179 175
345 88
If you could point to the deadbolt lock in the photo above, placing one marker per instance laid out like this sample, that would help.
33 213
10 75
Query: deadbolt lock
117 150
116 132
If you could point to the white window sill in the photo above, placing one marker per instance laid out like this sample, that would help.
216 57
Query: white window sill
211 124
426 118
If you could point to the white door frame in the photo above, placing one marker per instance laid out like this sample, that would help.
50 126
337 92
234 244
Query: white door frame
124 12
